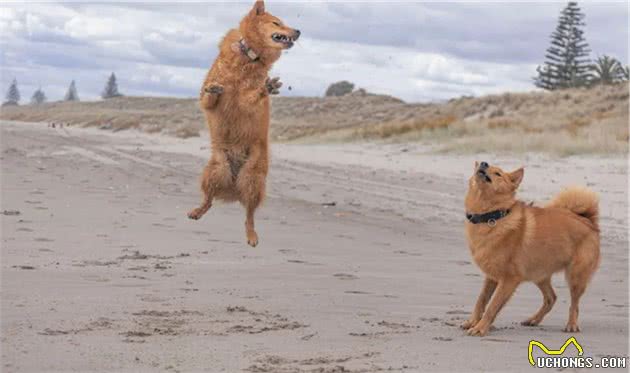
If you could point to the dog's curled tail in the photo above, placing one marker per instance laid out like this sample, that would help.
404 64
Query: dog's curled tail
581 201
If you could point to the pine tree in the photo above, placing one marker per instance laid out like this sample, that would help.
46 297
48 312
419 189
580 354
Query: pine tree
13 94
606 70
39 97
111 88
567 63
72 94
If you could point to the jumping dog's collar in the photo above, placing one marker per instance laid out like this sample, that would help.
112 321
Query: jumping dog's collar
246 50
489 217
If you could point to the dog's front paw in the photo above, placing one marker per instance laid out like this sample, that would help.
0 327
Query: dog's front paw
531 322
195 214
572 328
479 330
273 86
469 323
214 89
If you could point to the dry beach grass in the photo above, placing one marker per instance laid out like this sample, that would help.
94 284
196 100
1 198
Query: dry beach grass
564 122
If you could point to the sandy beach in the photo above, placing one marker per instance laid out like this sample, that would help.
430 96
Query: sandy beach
362 264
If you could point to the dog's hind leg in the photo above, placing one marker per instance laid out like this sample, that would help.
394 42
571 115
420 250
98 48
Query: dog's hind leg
578 274
549 299
250 184
216 176
487 290
251 188
250 231
577 286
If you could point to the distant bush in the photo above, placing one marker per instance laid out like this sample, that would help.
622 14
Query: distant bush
39 97
341 88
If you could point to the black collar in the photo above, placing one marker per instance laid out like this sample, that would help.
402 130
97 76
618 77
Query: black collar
489 217
247 51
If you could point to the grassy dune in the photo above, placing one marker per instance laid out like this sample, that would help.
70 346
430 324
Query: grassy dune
565 122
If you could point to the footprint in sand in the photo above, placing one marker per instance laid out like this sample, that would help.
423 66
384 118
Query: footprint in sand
96 263
617 305
135 334
224 241
460 262
288 251
406 253
44 239
296 261
496 340
24 230
187 290
345 276
160 225
457 312
345 236
54 332
443 339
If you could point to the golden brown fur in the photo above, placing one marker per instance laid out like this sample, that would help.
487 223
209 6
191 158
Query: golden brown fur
235 101
529 244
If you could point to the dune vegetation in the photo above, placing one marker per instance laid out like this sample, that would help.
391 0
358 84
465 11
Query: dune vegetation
564 122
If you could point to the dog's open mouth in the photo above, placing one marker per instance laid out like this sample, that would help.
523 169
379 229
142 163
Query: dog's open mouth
283 39
483 175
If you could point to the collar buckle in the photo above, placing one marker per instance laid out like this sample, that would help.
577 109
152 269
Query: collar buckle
247 51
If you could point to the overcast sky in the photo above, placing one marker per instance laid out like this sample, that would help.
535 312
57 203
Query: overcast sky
415 51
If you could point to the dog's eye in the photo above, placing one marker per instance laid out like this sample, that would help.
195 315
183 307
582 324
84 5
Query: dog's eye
277 24
498 174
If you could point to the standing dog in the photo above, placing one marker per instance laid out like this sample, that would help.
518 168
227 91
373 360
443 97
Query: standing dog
235 101
513 242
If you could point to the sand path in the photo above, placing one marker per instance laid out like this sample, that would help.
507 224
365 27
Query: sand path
362 264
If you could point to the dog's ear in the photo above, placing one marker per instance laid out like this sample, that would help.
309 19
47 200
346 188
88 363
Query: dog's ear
517 176
476 166
259 7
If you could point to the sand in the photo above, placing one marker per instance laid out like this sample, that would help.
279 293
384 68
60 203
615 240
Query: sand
362 264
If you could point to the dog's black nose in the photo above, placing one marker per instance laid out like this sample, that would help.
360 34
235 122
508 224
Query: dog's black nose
483 165
297 34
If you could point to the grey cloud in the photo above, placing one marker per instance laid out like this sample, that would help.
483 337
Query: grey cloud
498 32
164 49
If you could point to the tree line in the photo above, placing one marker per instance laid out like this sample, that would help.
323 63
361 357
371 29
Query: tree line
39 97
